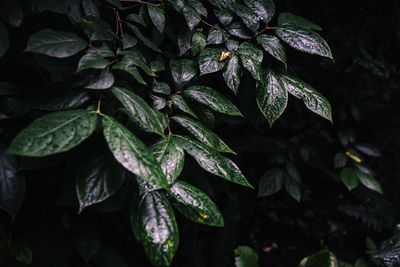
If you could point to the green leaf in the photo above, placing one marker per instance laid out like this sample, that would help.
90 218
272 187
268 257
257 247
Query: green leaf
195 204
157 227
11 12
99 179
192 12
272 45
90 8
12 184
104 51
23 253
184 40
54 133
146 41
170 155
128 41
249 18
157 16
213 162
304 40
323 258
271 182
132 153
368 149
287 18
161 88
158 102
313 100
55 43
264 9
202 133
231 73
224 16
4 39
251 58
64 100
182 104
209 60
349 178
239 30
156 66
369 181
340 160
211 98
139 110
130 60
231 45
216 35
199 41
138 18
292 186
114 3
92 60
96 29
177 4
131 69
102 80
182 71
271 97
245 257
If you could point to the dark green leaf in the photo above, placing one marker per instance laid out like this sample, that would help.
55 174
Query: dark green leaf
139 110
170 155
4 39
304 40
231 73
55 43
92 60
323 258
287 18
99 179
90 8
198 42
23 253
64 101
130 60
158 102
292 186
177 4
54 133
202 133
128 41
195 204
104 51
11 11
251 58
138 18
313 100
157 16
264 9
349 178
270 182
215 3
216 35
249 18
86 240
368 149
102 80
181 104
231 45
238 29
156 66
192 12
369 181
224 16
132 153
271 97
245 257
209 60
114 3
272 45
12 185
340 160
158 230
146 41
211 161
161 87
212 99
184 40
131 69
96 29
182 71
108 257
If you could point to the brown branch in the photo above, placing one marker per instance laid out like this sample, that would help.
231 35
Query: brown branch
205 22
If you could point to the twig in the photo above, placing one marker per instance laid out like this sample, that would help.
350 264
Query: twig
98 106
95 49
175 93
205 22
263 30
168 126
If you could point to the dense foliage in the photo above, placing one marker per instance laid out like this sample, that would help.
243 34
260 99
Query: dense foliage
113 115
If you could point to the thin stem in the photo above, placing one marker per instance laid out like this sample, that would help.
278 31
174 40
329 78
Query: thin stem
141 2
175 93
118 18
263 30
95 49
205 22
111 62
129 7
116 22
98 106
168 126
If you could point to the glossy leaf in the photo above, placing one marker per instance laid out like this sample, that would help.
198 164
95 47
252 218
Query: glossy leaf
321 258
146 41
128 41
102 80
130 60
271 182
304 40
202 133
292 186
368 149
86 240
12 184
211 161
90 8
195 204
199 41
349 178
245 257
369 181
161 88
192 12
157 16
55 43
11 12
272 45
156 66
287 18
209 60
158 231
132 153
132 70
182 71
238 29
249 18
4 39
216 35
54 133
184 40
313 100
183 105
138 18
99 179
212 99
264 9
92 60
64 101
231 73
271 97
170 155
158 102
96 29
224 16
251 58
139 110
